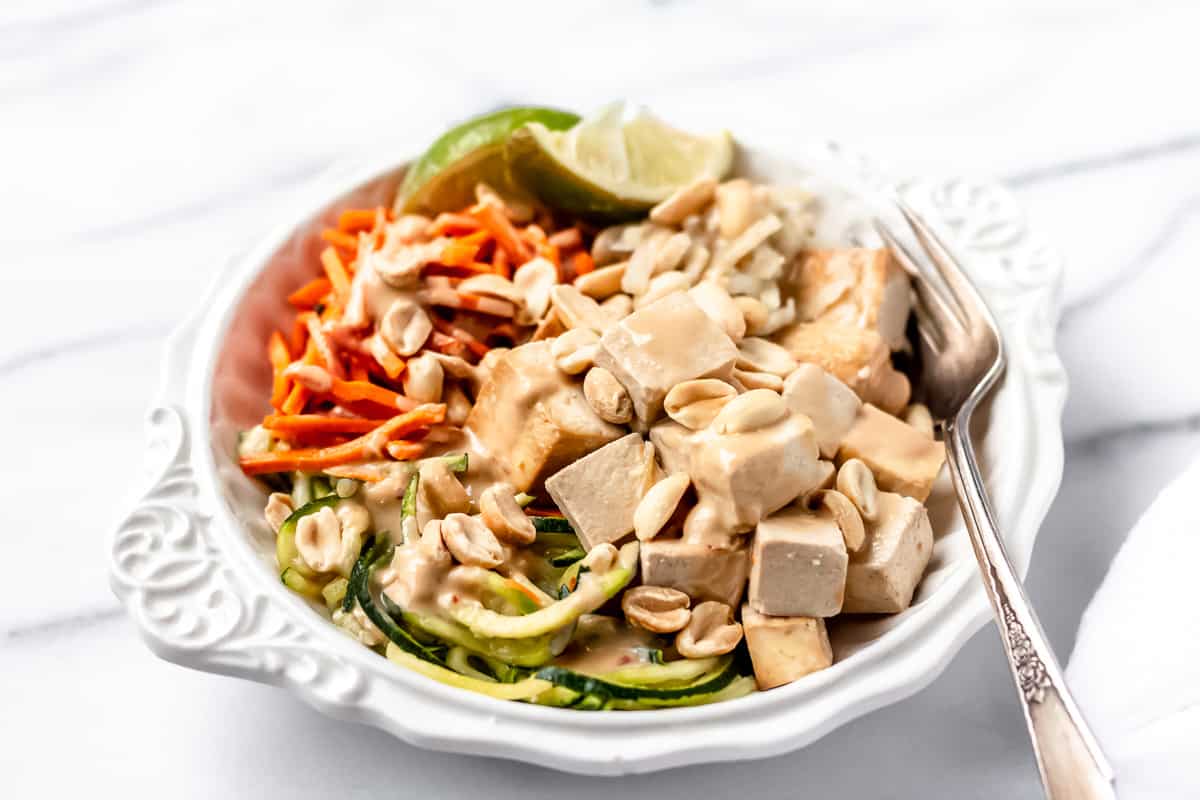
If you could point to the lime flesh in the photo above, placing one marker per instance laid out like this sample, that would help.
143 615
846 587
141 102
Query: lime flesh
444 178
608 167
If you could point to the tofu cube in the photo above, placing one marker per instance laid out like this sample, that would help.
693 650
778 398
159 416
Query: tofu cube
533 419
830 404
903 459
855 286
883 575
856 356
740 477
599 493
798 565
665 343
702 572
783 649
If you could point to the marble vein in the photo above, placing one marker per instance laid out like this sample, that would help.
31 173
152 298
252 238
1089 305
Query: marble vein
1175 145
1155 245
83 344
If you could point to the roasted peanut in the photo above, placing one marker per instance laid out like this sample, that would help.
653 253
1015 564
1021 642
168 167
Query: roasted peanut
602 282
471 542
577 310
423 378
658 504
757 408
918 416
279 508
856 481
534 279
683 202
405 327
499 510
710 632
717 304
658 609
696 403
758 380
575 350
661 286
607 397
754 313
761 355
845 515
439 491
493 286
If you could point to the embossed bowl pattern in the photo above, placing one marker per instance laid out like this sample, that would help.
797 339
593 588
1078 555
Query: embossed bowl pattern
191 560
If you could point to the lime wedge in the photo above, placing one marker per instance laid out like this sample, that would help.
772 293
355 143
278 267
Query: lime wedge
444 178
609 166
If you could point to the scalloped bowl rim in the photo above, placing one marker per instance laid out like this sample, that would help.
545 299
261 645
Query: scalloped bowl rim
760 725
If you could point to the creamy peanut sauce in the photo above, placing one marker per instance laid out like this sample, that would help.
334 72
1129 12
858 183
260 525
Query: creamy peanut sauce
530 418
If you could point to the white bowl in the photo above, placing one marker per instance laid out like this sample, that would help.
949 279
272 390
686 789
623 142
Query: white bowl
193 561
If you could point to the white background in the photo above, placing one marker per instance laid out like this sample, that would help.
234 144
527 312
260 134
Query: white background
141 142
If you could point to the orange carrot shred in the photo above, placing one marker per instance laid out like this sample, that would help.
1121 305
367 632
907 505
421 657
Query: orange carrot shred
354 391
344 240
318 423
365 446
280 357
296 400
494 221
582 263
404 450
459 253
310 293
339 279
353 220
445 223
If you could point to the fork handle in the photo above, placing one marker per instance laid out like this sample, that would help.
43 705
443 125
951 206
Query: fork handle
1068 757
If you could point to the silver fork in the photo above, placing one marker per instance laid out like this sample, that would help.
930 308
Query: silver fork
962 358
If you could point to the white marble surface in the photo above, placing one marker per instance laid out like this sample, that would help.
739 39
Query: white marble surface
143 141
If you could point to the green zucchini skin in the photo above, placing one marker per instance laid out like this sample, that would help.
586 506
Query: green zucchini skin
551 525
588 685
395 634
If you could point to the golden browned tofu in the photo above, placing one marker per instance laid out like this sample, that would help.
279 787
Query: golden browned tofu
783 649
858 287
533 419
700 571
885 572
903 459
858 357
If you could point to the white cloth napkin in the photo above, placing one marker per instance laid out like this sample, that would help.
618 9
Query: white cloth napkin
1136 666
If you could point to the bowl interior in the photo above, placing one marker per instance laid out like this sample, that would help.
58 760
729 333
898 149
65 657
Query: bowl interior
240 382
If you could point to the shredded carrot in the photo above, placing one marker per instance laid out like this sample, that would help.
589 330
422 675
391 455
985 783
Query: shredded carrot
478 238
446 223
446 344
457 270
358 449
448 328
310 293
404 450
507 237
318 423
500 264
582 263
296 400
299 338
324 347
359 372
346 241
543 512
339 279
460 253
355 391
353 220
280 357
525 590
